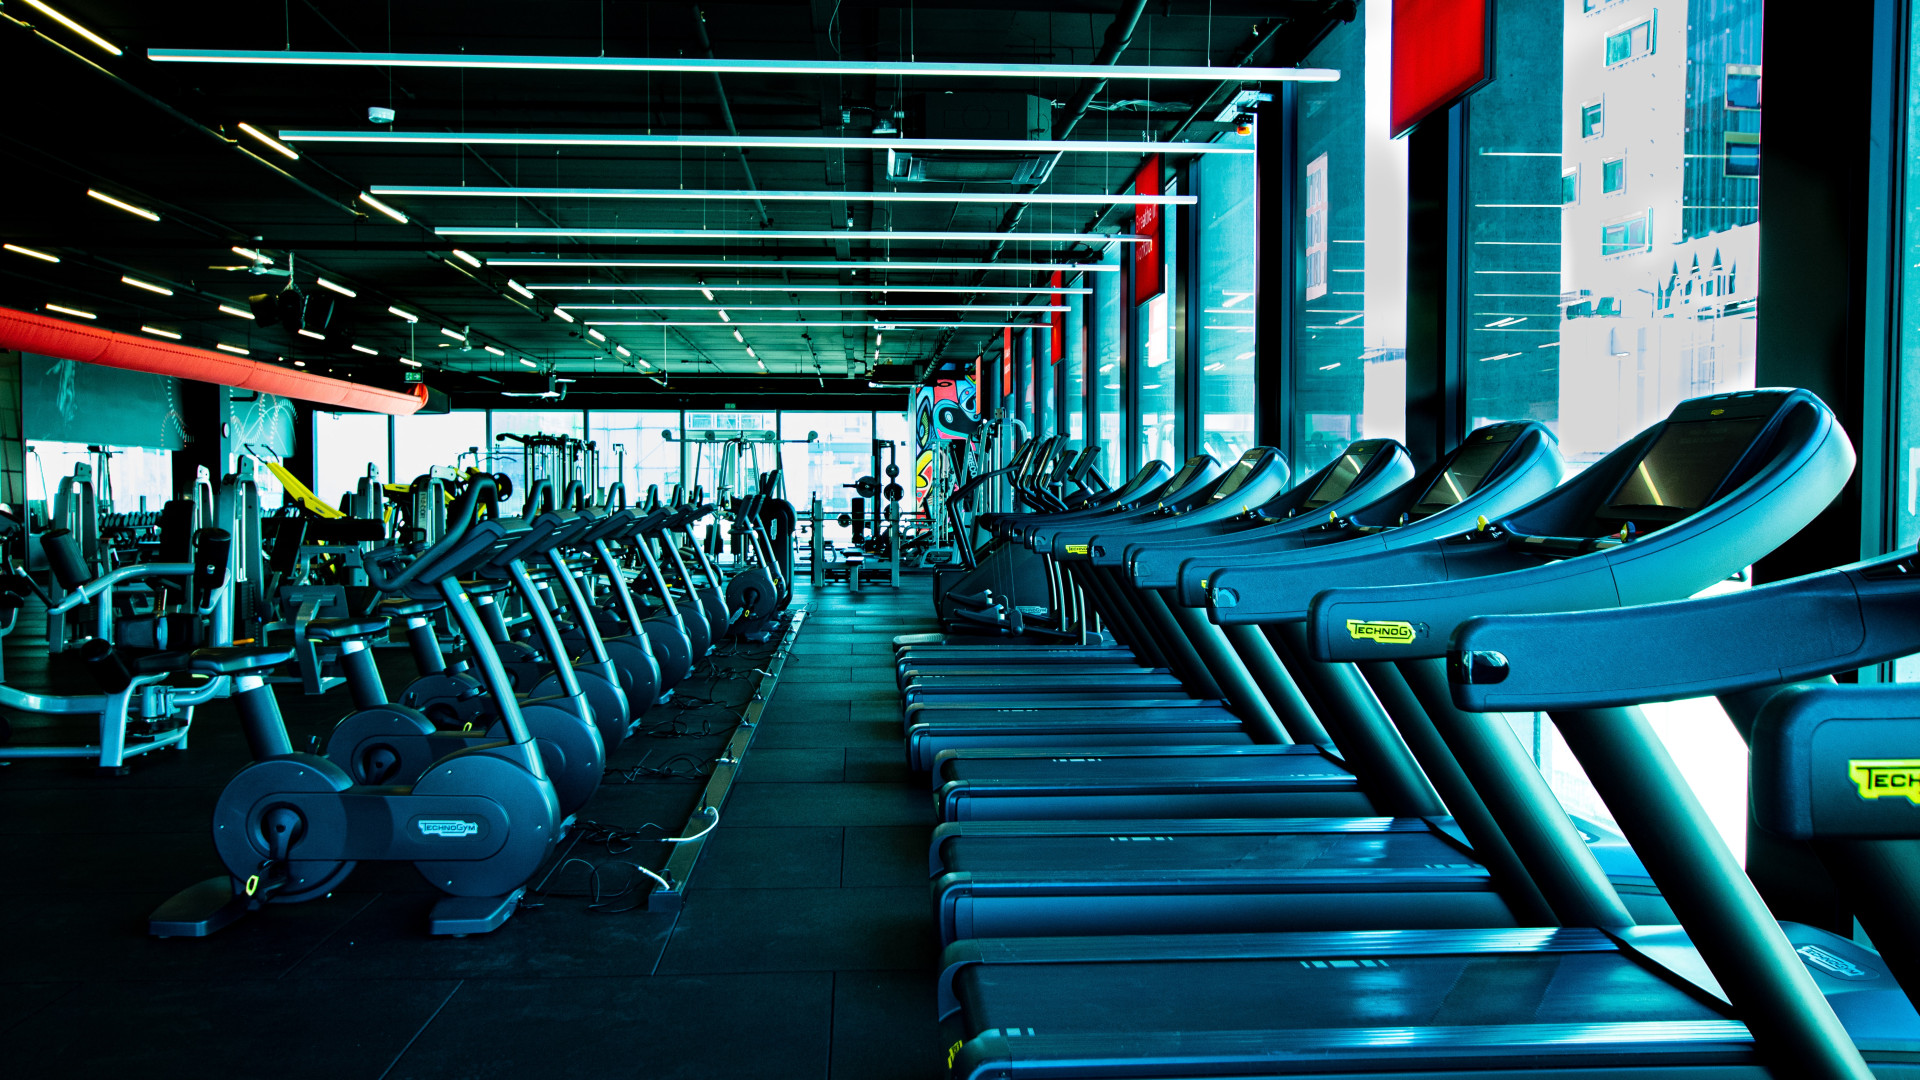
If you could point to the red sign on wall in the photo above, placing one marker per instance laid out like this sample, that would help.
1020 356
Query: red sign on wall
1058 319
1006 361
1440 55
1149 262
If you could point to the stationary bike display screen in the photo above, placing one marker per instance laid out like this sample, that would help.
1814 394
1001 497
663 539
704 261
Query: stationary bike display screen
1684 468
1461 478
1342 475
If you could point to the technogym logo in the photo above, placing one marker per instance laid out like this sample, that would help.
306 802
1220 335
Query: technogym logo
448 828
1889 778
1385 633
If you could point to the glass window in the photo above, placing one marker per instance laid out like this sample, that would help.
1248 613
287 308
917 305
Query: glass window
1593 120
1635 40
635 450
510 457
1905 466
1226 289
827 466
1570 186
137 478
1109 367
1158 431
1073 366
1743 156
1350 372
708 462
1743 86
1613 176
345 447
420 443
1625 236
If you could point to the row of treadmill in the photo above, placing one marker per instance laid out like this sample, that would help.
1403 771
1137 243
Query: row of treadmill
1240 799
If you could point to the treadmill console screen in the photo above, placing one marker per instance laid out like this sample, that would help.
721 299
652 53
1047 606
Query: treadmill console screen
1236 477
1683 468
1464 475
1341 475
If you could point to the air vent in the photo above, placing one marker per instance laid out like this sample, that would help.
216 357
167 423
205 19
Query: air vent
975 115
964 167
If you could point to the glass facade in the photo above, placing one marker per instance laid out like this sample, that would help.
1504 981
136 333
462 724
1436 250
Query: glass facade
457 439
1350 349
345 447
634 449
1073 368
1225 264
1108 356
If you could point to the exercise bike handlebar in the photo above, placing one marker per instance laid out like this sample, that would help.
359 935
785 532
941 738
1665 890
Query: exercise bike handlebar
539 498
576 498
617 487
459 519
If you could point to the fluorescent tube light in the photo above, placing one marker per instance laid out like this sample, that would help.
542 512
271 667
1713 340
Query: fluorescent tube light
528 362
147 285
949 290
883 235
723 314
890 324
765 142
383 208
407 315
562 313
409 361
452 333
466 258
596 335
751 353
495 350
32 254
157 332
808 264
75 312
738 338
272 142
622 350
359 348
297 363
75 27
336 287
315 335
249 253
236 311
762 363
519 288
823 307
748 195
704 291
234 349
137 211
709 65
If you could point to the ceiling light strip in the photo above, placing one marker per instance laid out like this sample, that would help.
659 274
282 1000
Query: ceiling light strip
716 66
934 235
887 324
744 195
822 307
757 142
950 290
776 264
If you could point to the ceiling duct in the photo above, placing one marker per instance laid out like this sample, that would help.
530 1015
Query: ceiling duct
970 114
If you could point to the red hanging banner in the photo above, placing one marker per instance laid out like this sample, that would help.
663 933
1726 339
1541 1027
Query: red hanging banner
1441 53
1058 319
1006 361
1148 261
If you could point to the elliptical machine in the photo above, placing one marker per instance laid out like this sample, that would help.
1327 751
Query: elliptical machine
292 826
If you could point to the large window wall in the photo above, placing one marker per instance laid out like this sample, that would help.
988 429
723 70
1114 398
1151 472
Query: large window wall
635 449
1224 293
1108 359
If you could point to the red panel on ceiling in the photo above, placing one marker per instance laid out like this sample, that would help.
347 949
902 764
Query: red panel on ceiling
1440 54
1149 263
28 332
1058 320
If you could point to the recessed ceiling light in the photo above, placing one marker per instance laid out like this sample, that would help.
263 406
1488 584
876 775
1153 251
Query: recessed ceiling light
269 140
335 286
137 211
465 258
32 254
76 27
157 332
407 315
359 348
236 311
147 285
234 349
304 332
75 312
383 208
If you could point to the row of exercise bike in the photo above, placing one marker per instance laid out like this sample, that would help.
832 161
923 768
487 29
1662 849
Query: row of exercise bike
1225 788
475 769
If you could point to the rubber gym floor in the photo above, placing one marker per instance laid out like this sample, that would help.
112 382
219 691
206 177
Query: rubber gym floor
804 947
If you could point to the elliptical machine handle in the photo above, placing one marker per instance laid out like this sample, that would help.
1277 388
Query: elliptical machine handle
539 498
576 496
459 520
618 487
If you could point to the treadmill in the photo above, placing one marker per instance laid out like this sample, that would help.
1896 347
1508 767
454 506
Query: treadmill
1494 471
1597 992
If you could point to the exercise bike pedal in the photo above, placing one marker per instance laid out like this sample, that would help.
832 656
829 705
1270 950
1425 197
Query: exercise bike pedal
458 916
203 909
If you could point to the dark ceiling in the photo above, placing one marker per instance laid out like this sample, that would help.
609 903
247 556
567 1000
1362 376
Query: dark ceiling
165 137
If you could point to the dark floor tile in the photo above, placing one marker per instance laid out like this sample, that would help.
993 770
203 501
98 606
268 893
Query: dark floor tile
151 865
837 691
878 708
885 856
834 674
848 733
770 764
560 938
765 857
782 708
104 809
829 804
21 1002
684 1028
295 1028
879 765
802 930
885 1027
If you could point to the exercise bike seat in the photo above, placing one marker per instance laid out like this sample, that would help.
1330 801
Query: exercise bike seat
330 630
405 607
236 659
487 586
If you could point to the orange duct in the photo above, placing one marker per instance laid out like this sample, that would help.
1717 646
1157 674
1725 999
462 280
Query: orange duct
28 332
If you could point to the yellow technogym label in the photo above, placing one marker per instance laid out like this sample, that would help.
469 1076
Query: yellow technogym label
1077 549
1386 633
1888 778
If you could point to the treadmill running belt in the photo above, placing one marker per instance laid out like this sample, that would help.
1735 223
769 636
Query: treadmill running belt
1277 767
1391 991
1270 851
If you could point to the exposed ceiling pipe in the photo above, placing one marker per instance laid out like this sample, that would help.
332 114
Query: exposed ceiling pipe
1262 33
726 110
26 331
